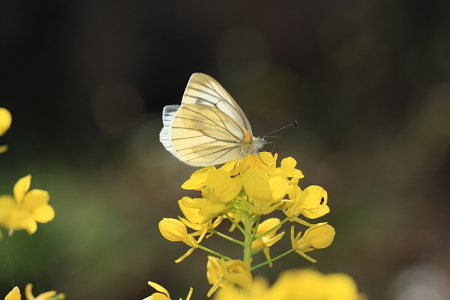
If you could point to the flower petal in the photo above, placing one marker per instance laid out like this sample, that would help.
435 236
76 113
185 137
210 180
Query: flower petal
5 120
44 214
218 181
30 225
6 204
232 191
279 187
35 199
198 179
21 187
14 294
159 288
320 235
256 184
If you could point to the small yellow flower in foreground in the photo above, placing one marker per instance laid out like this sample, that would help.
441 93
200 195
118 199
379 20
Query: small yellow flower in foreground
236 272
298 284
221 273
266 191
26 207
163 294
198 179
222 187
44 296
318 236
311 202
288 167
14 294
264 161
175 231
5 123
269 239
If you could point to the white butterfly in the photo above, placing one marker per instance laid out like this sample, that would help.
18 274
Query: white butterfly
209 127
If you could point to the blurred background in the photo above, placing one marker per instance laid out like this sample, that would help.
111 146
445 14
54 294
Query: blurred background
367 81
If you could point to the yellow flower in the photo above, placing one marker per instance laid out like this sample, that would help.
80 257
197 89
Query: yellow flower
288 168
318 236
206 209
14 294
175 231
198 179
264 161
218 189
44 296
193 219
265 191
298 284
311 202
5 123
223 273
221 186
163 294
26 208
312 284
267 240
236 272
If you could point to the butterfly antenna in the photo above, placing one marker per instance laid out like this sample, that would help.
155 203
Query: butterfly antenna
273 136
280 128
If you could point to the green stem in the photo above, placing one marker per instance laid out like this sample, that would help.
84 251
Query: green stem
256 227
227 237
214 252
248 240
272 260
274 228
235 224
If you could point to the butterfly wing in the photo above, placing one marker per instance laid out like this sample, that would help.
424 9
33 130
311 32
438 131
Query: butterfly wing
203 89
201 135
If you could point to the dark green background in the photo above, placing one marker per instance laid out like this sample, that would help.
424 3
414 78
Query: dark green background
86 81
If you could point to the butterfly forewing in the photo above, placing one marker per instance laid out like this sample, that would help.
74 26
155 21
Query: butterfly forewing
203 135
203 89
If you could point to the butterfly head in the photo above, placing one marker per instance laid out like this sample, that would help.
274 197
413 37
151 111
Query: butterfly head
253 146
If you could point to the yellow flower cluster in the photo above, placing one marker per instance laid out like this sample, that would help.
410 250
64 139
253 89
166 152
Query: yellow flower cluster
51 295
265 186
25 208
297 284
243 192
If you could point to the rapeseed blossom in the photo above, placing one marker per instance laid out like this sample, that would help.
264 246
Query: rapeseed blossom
297 284
51 295
244 192
25 208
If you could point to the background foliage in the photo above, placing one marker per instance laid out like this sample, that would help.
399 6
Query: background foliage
86 82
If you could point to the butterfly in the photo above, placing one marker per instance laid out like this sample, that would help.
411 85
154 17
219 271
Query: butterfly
209 127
